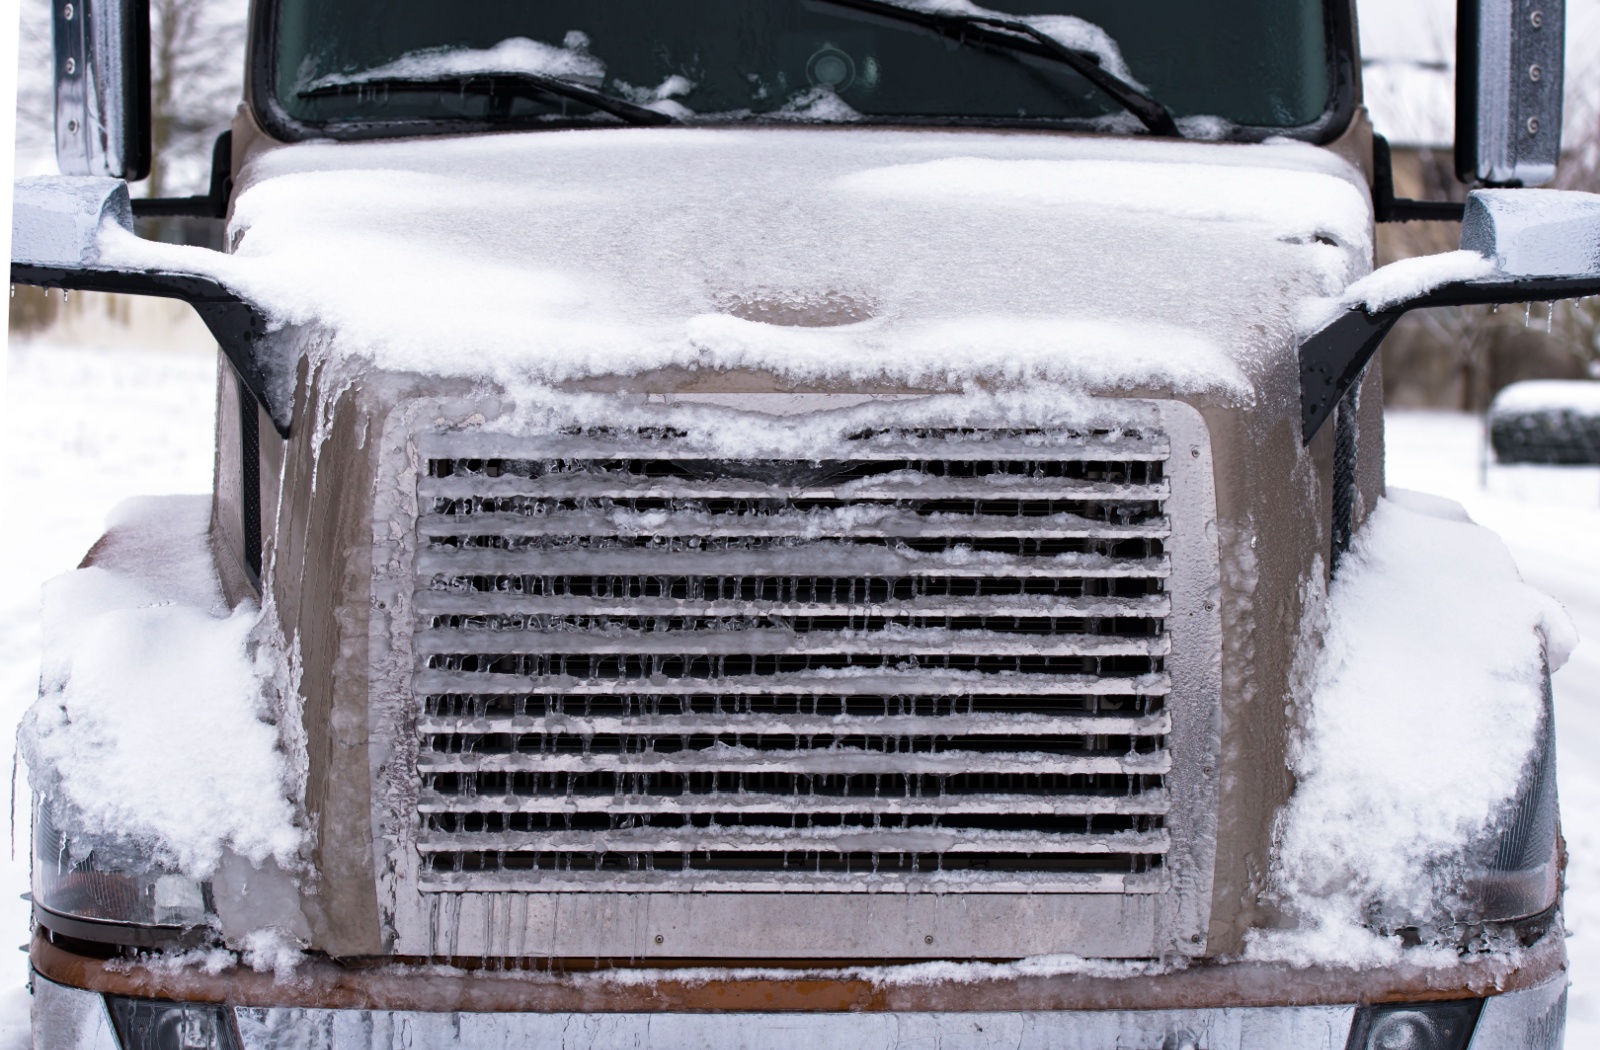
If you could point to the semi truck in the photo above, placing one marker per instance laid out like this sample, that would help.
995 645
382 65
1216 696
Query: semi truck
787 523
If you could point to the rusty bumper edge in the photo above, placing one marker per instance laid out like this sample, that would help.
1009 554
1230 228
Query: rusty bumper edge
323 984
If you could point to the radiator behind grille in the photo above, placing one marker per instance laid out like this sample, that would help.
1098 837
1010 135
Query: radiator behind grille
935 662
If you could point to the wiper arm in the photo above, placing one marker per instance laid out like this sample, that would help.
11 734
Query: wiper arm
1010 34
523 85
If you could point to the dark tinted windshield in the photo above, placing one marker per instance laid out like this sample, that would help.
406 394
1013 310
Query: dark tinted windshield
343 64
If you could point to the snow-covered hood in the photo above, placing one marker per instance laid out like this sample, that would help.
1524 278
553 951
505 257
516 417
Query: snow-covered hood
840 255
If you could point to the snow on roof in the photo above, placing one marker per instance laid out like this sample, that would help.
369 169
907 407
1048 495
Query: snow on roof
1099 262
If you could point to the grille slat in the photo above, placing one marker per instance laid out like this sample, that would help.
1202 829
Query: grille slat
1030 605
902 642
916 486
831 762
938 660
879 524
846 840
1153 802
855 681
838 725
821 559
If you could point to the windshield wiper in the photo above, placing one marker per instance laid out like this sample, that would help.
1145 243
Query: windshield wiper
1009 34
511 85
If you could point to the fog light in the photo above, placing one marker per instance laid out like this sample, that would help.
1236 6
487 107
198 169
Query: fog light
151 1024
1415 1026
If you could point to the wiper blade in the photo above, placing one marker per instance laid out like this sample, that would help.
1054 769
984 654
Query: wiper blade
1010 34
518 85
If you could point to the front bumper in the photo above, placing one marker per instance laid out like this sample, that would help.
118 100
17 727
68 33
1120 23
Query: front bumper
1206 1008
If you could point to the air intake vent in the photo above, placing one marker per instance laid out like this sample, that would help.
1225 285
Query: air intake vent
936 662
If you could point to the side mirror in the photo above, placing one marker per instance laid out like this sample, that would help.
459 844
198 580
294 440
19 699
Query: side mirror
1508 90
1517 246
102 87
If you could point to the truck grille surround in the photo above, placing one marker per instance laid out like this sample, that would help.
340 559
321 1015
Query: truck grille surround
933 660
939 659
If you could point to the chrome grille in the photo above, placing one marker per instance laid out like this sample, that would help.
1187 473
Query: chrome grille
935 660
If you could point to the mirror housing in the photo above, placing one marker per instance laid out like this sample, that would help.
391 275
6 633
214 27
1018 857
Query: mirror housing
102 87
1540 246
56 221
1508 90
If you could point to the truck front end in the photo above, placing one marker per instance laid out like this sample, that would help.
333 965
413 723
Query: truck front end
845 562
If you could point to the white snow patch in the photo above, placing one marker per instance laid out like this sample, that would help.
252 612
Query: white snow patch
1076 33
911 974
1395 283
816 103
1291 203
1406 752
572 61
542 257
1409 278
148 727
1578 396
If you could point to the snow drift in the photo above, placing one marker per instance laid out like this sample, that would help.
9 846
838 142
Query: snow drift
1423 708
149 733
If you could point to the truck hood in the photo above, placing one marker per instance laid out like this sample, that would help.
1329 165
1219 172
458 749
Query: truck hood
823 256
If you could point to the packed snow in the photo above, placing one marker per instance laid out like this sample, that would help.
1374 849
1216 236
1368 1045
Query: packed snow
1408 752
1408 278
1578 396
592 253
144 668
516 55
1075 33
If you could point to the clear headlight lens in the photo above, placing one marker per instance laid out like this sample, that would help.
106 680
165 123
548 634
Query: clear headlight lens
90 886
151 1024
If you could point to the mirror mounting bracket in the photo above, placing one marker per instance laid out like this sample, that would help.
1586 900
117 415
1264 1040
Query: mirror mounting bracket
237 326
1332 360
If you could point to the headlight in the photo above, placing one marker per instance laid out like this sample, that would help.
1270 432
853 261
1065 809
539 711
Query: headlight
1415 1026
152 1024
1514 874
97 894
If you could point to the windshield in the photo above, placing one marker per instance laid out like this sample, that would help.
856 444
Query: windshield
1224 68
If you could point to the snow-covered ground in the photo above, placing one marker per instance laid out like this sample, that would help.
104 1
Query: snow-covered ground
84 429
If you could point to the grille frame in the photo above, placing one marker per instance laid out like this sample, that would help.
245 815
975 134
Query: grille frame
1126 916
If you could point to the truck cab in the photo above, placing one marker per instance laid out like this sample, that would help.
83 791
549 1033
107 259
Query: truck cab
800 522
